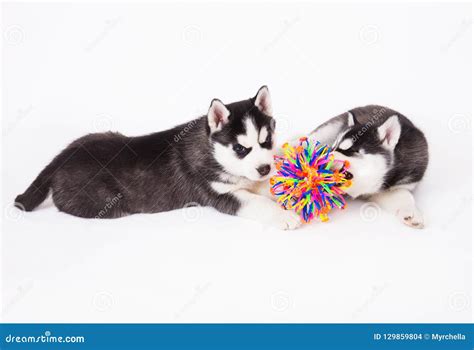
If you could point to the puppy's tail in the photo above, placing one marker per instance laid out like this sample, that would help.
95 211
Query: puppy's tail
37 192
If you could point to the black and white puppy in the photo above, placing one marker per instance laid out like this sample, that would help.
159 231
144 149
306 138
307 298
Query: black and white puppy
216 160
388 156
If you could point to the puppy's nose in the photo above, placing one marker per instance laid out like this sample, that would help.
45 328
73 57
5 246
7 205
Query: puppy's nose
263 169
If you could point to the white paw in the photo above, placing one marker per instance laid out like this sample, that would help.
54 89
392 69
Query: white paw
411 217
285 219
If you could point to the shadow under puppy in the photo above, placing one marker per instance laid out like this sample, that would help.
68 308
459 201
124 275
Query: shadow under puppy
216 160
388 156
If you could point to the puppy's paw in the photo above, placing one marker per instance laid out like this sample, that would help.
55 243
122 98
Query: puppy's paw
286 219
412 218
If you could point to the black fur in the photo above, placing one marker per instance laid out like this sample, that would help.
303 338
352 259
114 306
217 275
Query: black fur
109 175
410 156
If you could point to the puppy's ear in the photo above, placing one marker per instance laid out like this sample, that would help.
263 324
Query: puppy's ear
217 116
263 101
389 132
351 120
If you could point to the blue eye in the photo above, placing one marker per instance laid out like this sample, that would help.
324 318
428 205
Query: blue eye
241 150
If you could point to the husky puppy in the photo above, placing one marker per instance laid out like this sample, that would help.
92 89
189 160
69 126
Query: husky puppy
216 160
387 153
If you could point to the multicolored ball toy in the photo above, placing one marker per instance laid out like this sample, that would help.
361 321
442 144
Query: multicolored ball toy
309 180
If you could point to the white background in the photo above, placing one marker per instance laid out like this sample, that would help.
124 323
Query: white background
73 69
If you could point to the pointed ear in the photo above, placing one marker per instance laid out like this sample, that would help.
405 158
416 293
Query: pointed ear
389 132
351 120
263 101
218 115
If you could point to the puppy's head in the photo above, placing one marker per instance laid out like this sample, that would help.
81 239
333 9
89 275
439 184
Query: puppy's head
369 148
242 135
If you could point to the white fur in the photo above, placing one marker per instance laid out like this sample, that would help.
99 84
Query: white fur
368 170
350 120
262 137
230 183
247 166
250 138
228 187
263 188
346 144
256 207
223 187
241 177
401 203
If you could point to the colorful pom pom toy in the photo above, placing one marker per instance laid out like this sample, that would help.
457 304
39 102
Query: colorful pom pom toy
309 180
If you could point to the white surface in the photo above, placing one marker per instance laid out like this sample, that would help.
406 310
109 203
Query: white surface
73 69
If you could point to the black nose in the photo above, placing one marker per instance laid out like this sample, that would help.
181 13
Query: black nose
263 169
349 176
